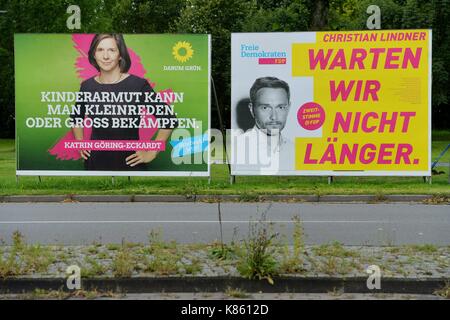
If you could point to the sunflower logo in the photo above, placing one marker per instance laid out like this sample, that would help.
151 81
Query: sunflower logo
182 51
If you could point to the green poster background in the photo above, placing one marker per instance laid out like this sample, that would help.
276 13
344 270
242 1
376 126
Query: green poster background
46 62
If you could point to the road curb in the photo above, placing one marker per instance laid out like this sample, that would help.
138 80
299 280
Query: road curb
102 198
217 198
34 198
346 198
407 198
163 198
221 284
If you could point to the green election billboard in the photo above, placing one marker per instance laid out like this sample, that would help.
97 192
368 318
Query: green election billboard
112 104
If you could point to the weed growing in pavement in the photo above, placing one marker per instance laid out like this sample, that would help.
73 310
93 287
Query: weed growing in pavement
24 259
92 268
193 267
226 252
258 260
156 240
421 248
9 266
236 293
336 292
113 246
333 258
92 250
437 199
293 262
38 294
103 255
445 291
247 197
334 249
223 252
333 265
37 258
123 263
166 258
163 262
380 197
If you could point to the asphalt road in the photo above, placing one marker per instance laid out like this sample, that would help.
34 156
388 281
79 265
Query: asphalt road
351 224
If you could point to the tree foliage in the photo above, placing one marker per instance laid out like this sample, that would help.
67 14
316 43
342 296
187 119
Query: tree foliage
219 18
141 16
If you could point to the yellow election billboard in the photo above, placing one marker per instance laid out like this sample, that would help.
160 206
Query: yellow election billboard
331 103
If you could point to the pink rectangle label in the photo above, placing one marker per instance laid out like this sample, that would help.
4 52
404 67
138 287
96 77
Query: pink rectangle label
272 61
115 145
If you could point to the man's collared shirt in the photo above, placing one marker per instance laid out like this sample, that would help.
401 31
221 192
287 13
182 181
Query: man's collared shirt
255 151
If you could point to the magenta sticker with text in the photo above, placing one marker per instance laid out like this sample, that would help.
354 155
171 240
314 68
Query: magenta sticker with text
311 116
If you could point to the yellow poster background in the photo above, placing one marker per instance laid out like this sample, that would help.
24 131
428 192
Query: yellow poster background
402 90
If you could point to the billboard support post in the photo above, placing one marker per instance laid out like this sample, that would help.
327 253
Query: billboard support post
427 179
112 180
222 128
330 179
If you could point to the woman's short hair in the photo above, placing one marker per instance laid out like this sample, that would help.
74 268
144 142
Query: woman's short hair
124 63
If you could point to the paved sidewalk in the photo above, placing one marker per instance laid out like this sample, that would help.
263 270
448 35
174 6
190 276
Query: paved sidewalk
168 267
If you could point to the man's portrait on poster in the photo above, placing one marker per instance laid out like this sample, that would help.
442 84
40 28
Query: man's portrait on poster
269 106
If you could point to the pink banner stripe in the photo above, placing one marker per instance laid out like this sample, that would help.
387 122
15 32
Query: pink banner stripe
115 145
272 61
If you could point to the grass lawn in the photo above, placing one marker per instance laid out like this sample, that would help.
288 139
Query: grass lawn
254 185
